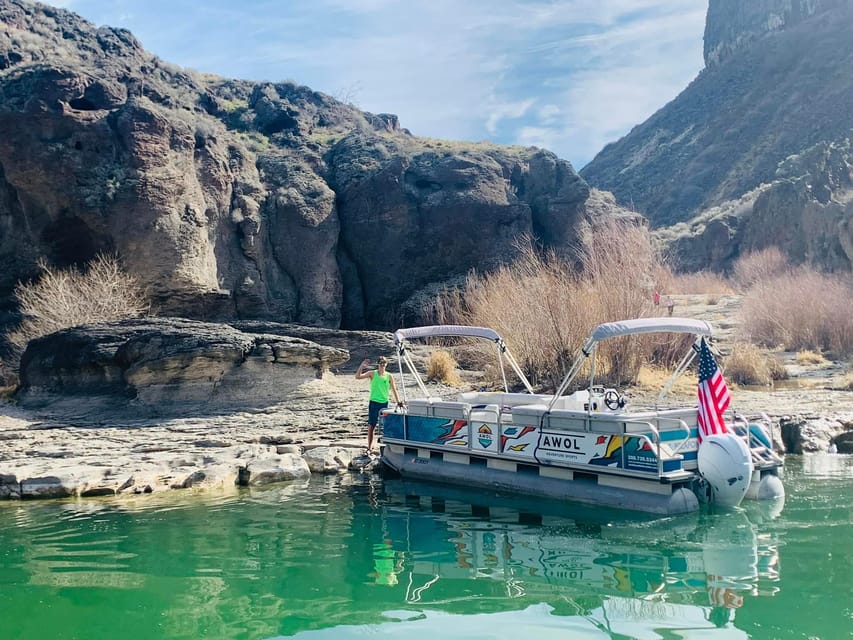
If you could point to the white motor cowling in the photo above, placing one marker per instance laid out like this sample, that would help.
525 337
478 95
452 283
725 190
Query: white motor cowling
726 464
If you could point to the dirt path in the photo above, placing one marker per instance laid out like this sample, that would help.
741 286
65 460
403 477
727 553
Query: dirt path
722 311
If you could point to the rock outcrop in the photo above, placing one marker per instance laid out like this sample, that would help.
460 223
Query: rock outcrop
244 200
165 367
807 209
775 86
733 25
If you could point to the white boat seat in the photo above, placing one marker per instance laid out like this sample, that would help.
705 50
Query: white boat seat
489 414
420 406
530 410
449 409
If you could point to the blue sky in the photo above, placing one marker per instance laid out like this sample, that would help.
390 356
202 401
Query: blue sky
567 75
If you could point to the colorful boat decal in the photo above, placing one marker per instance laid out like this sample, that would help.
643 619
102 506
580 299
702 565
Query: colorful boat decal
545 446
484 436
518 437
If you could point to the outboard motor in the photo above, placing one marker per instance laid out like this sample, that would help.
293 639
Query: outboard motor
726 464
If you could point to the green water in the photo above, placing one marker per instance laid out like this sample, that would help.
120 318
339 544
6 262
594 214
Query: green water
356 557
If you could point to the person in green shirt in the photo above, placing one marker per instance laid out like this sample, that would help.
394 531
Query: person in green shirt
381 383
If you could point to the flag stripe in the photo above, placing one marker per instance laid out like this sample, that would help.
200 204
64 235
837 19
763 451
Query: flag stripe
714 396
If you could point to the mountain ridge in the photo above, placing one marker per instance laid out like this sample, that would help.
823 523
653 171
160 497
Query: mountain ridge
776 95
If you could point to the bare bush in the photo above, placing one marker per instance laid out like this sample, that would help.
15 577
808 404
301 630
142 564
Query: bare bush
545 308
801 309
759 266
63 298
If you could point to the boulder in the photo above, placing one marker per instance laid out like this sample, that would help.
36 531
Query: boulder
277 468
811 434
844 441
166 367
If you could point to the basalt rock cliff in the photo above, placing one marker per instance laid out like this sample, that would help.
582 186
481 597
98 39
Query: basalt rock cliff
234 199
756 150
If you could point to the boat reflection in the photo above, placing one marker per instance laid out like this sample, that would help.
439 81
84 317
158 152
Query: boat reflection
593 562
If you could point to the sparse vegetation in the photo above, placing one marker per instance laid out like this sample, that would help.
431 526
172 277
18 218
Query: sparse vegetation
801 310
255 141
443 368
62 298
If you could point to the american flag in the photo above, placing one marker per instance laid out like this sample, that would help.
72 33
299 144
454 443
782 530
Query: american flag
714 396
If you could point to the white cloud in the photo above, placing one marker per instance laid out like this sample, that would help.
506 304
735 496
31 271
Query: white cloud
567 74
506 110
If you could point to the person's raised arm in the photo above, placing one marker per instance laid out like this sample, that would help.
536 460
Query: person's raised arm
360 373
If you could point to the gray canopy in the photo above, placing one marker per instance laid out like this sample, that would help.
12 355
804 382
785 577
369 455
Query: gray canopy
438 330
648 325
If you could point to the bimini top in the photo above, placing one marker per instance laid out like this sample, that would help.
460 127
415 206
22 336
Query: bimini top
446 330
648 325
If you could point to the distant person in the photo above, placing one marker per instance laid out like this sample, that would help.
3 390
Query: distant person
670 305
381 382
656 298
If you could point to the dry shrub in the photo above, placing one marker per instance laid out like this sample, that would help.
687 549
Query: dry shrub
747 364
846 383
63 298
546 308
777 368
442 368
799 310
807 356
759 266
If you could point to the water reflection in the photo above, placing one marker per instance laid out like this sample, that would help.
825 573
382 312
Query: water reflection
587 573
367 557
714 560
827 465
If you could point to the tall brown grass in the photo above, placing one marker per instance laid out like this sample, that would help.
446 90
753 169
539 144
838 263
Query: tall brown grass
801 309
545 307
441 367
62 298
807 356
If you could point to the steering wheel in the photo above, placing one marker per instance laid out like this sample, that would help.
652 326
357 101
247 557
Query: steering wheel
613 400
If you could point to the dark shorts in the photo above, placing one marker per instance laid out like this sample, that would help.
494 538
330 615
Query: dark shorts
373 410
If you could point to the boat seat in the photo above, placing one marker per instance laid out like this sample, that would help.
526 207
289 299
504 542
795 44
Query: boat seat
537 410
449 409
489 413
420 406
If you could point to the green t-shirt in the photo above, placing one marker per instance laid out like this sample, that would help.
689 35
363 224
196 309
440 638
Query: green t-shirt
379 386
